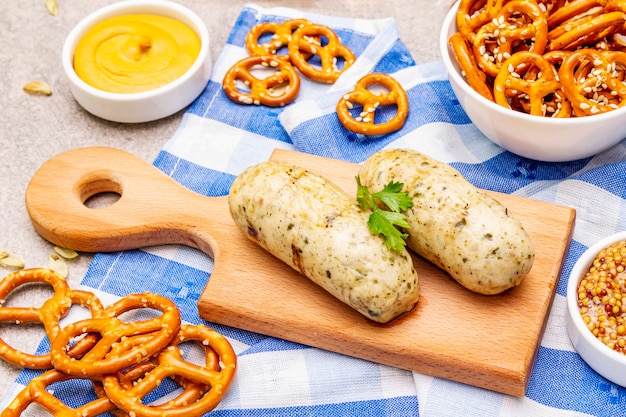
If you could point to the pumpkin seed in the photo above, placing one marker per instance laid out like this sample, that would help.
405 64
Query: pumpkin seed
58 265
52 6
66 253
12 261
38 88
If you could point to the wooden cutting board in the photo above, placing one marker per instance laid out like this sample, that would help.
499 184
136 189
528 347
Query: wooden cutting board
486 341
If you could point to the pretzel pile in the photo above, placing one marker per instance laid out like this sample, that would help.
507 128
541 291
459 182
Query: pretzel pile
125 361
315 50
550 58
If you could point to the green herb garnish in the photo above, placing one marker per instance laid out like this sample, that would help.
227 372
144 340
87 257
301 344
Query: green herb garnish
385 222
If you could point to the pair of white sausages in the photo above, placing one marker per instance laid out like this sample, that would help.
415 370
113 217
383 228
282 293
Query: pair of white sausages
316 228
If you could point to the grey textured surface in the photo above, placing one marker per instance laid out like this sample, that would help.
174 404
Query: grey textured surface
34 128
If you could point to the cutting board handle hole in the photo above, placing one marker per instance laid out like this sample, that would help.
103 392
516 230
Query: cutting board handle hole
102 200
98 190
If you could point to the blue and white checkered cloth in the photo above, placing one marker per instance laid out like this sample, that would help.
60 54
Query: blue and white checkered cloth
217 139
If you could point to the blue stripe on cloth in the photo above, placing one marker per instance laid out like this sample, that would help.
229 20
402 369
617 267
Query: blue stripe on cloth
396 55
507 172
396 407
271 344
326 136
610 177
201 180
562 379
214 104
122 273
574 252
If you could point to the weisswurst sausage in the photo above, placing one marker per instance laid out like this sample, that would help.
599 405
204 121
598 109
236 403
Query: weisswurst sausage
316 228
453 224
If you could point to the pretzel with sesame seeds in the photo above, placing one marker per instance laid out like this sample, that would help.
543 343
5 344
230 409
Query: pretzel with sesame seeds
308 40
135 341
278 89
49 314
471 15
281 35
572 10
539 88
593 80
37 389
476 78
521 25
216 375
586 30
370 101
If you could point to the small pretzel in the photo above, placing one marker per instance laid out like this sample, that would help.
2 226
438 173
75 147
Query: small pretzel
36 392
370 102
571 10
128 377
464 56
307 39
216 375
509 32
281 36
49 314
538 92
112 330
588 30
471 15
593 80
276 90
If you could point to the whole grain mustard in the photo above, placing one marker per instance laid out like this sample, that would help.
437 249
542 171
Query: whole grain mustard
601 294
135 53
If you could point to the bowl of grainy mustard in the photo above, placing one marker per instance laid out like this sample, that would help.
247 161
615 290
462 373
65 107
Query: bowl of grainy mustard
596 307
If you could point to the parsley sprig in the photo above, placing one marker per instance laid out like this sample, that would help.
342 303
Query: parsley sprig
386 222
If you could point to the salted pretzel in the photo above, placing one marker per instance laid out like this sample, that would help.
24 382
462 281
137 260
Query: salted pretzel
370 102
543 94
521 25
37 392
112 330
276 90
588 30
476 78
191 391
593 80
308 40
281 35
471 15
573 9
216 374
49 314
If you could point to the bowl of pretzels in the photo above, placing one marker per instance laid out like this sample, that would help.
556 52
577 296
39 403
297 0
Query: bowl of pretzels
544 79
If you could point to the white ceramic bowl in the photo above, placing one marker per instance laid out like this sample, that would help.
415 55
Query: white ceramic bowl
539 138
149 105
601 358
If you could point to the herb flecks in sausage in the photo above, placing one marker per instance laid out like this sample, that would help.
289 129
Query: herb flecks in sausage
453 224
317 229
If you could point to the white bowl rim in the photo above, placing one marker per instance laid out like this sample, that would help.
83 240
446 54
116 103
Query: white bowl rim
578 271
445 52
116 9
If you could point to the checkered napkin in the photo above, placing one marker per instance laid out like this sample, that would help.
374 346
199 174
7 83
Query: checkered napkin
217 139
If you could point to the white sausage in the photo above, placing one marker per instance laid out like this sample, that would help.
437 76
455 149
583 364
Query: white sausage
316 228
453 224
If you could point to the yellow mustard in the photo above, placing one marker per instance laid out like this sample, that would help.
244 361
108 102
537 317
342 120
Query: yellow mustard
135 53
